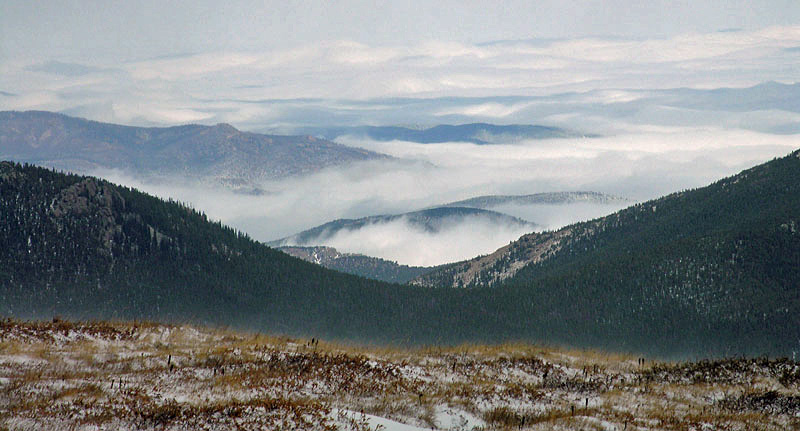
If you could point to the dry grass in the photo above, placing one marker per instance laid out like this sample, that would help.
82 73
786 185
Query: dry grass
140 375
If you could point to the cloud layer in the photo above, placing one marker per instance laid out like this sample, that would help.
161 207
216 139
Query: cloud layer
273 88
638 165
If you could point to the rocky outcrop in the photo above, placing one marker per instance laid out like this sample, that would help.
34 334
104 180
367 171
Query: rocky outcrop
91 196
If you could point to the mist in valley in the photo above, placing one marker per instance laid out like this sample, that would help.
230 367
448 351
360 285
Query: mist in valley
636 166
667 110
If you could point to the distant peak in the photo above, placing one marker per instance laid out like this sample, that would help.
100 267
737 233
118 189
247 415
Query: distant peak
226 127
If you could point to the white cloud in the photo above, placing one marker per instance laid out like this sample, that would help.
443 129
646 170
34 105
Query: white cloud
491 110
399 241
351 70
639 165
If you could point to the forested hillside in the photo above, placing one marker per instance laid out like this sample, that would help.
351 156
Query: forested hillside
705 269
722 260
81 247
705 272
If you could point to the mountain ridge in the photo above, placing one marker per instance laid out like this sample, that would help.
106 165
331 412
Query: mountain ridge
549 198
357 264
220 152
533 248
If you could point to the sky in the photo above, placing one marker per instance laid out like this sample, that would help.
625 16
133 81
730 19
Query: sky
167 62
97 30
678 93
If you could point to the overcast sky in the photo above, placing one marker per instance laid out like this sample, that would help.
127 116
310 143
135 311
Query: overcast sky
104 30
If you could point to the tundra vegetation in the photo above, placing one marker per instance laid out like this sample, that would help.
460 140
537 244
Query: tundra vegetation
140 375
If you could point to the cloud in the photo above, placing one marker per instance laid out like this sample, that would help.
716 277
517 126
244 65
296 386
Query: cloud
661 131
224 84
399 241
490 110
639 164
65 69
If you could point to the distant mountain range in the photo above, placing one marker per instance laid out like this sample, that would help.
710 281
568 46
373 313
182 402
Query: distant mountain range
429 220
554 198
357 264
705 272
477 133
218 153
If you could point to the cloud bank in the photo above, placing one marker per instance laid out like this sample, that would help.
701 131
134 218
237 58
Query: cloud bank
275 87
639 166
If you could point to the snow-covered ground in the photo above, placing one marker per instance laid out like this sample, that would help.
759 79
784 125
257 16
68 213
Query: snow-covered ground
90 376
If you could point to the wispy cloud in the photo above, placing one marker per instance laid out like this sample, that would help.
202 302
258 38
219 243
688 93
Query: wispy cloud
65 69
220 83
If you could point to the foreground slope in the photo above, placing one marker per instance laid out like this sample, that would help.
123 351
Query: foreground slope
219 152
140 376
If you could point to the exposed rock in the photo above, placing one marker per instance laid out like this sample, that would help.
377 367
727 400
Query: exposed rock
91 196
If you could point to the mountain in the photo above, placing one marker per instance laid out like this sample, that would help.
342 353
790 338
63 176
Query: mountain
221 152
357 264
722 260
477 133
705 272
555 198
84 248
430 220
769 95
503 264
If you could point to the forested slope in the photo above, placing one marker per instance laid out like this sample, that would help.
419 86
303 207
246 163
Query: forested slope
704 272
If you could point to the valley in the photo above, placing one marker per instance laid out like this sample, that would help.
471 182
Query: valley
701 272
400 216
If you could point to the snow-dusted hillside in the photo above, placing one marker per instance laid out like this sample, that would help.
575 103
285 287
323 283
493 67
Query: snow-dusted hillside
62 375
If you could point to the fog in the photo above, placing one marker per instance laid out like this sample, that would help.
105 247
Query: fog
409 244
554 216
637 165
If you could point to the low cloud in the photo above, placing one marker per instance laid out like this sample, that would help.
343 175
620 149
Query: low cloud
638 166
407 244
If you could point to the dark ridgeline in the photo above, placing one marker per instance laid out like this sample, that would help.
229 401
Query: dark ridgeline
711 271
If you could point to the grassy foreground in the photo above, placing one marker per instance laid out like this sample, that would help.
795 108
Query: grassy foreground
101 375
